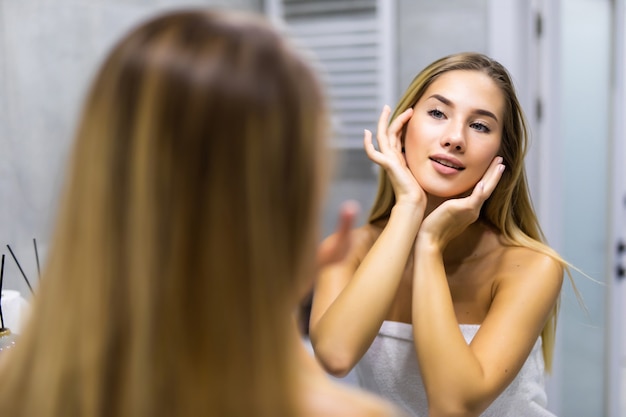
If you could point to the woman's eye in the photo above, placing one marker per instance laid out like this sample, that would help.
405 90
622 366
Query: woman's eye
437 114
480 127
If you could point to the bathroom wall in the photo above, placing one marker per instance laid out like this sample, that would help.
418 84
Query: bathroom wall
49 50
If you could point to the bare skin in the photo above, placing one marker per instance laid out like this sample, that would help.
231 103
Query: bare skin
434 264
320 396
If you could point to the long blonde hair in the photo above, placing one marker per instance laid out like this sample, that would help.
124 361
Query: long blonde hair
509 208
186 230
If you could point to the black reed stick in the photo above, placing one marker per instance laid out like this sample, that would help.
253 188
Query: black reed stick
21 270
37 257
1 276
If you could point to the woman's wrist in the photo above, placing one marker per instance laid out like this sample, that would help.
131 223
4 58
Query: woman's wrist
411 214
410 205
427 244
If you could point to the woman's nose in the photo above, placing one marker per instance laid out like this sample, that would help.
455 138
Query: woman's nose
454 138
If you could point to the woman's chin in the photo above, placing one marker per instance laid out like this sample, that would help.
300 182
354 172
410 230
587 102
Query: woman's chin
438 194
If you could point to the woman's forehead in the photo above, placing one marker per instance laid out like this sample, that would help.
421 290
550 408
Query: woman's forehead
467 88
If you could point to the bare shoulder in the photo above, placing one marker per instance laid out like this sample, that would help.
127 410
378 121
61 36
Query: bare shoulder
336 399
522 266
526 288
516 260
361 240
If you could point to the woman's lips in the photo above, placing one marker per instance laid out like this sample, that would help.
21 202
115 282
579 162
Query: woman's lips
446 165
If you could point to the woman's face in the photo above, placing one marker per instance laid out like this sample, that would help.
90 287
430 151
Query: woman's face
454 133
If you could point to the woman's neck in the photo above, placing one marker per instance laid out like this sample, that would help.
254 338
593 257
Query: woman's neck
476 241
434 201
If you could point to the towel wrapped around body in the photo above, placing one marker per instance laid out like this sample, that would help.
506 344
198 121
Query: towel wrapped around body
390 369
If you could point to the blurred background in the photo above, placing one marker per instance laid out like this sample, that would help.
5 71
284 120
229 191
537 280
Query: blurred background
566 58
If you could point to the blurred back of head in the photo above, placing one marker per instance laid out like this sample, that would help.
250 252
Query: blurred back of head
186 230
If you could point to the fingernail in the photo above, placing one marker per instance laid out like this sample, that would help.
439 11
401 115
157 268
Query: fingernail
501 168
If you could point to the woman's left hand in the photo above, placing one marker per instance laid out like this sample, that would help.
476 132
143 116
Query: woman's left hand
453 216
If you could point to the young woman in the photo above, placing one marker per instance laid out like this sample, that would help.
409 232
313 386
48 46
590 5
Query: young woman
447 302
186 236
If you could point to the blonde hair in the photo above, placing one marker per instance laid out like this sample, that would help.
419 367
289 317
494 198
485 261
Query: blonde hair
186 231
509 208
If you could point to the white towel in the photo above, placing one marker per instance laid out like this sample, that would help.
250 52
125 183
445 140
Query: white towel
390 369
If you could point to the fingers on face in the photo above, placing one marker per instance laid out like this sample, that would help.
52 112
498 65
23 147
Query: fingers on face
383 120
401 120
382 136
370 150
388 134
396 126
490 180
496 169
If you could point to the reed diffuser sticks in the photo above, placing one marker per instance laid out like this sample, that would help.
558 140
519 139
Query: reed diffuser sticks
21 270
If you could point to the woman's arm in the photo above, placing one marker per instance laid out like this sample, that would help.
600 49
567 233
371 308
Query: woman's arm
352 298
462 379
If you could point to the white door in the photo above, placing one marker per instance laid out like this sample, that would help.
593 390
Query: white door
616 340
564 58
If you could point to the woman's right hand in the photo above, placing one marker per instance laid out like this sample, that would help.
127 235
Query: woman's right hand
391 158
351 300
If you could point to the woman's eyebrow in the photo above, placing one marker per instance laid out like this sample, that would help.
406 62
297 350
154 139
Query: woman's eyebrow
449 103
